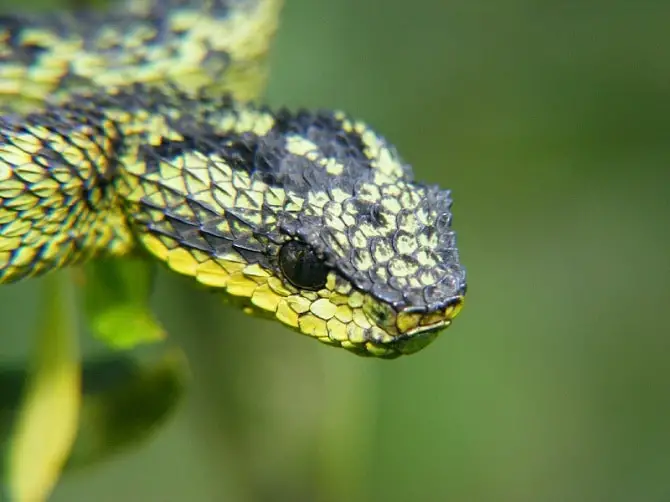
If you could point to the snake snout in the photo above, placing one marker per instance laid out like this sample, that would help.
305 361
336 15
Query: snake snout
418 328
413 322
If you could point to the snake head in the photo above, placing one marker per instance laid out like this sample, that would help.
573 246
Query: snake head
387 273
310 218
372 251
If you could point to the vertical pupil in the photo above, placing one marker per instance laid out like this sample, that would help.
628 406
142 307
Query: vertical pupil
301 266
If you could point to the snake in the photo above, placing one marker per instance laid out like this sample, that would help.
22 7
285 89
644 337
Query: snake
138 126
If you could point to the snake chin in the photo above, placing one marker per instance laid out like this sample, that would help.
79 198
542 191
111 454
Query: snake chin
418 341
395 334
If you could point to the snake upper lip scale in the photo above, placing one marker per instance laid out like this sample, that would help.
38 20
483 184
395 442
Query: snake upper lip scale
126 133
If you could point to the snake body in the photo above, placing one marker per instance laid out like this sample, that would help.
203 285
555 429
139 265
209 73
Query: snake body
133 128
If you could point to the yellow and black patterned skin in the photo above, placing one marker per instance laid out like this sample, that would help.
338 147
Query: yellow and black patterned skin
311 218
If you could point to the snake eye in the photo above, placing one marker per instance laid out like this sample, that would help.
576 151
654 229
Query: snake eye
301 266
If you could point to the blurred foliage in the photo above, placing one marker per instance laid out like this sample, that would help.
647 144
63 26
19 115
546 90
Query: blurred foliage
59 412
125 399
47 420
116 300
549 121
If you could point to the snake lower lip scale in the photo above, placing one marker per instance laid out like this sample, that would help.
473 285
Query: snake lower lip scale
128 134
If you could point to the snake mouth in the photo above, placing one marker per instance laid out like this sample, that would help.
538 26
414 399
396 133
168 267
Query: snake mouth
419 329
411 322
436 326
414 330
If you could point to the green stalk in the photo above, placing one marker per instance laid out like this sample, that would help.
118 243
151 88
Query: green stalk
48 419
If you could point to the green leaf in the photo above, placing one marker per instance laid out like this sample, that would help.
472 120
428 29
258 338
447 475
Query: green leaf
116 297
126 397
125 402
48 418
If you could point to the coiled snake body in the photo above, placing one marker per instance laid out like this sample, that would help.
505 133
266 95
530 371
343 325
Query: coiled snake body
132 128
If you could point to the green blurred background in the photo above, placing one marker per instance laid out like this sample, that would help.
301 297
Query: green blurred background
550 121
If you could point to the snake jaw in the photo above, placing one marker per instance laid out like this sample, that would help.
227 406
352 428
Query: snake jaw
410 322
418 341
417 329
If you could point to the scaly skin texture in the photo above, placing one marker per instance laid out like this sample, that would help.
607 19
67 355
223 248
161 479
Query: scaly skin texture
220 46
310 218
